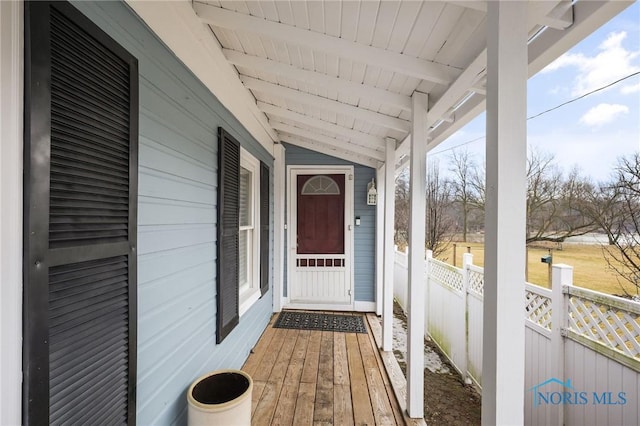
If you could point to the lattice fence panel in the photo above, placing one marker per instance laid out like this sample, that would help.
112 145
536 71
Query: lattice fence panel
614 327
447 275
476 282
538 309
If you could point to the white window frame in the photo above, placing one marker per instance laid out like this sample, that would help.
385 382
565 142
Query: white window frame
249 295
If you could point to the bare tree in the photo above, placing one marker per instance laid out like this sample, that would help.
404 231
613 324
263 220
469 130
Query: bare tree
402 210
553 200
601 204
463 168
623 255
439 226
439 219
478 182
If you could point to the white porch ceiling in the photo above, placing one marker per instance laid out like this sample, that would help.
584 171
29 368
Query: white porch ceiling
338 76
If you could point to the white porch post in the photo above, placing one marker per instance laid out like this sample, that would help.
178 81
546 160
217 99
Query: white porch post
503 365
415 296
380 176
389 254
11 137
279 190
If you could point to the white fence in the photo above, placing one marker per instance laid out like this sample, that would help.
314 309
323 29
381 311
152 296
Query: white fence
598 343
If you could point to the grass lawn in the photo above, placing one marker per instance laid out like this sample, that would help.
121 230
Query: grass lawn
589 265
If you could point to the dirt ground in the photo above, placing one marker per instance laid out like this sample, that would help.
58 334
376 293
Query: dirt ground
448 401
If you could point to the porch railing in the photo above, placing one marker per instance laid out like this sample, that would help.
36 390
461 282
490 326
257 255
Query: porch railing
599 334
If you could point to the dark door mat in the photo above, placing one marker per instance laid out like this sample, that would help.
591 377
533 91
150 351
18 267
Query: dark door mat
322 322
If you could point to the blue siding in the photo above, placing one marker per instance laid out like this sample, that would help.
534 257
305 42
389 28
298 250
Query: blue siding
364 238
179 118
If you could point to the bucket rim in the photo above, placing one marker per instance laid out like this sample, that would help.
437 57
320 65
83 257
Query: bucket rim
223 405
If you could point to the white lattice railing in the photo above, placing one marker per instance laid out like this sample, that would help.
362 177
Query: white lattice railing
476 280
446 275
538 306
606 324
608 320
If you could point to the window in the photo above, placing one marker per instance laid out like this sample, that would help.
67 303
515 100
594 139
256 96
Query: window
320 185
242 252
249 236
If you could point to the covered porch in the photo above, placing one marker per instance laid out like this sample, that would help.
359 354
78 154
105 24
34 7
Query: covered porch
368 84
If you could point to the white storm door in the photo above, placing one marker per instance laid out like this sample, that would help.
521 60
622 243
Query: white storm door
320 239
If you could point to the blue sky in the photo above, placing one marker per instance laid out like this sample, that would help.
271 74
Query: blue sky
591 132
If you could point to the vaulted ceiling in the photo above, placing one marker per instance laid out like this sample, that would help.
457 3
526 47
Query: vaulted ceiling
337 76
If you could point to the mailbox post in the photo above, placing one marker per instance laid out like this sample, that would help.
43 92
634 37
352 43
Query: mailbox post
548 259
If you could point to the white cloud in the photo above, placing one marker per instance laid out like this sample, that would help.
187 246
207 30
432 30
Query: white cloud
611 63
556 90
630 88
603 114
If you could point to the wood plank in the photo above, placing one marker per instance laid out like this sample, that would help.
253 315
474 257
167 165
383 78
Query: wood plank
382 411
263 371
310 369
286 405
340 362
342 406
396 377
324 378
258 389
362 411
323 408
294 372
279 370
267 404
303 415
258 351
397 411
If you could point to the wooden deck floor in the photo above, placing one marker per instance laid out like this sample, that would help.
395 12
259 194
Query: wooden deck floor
304 377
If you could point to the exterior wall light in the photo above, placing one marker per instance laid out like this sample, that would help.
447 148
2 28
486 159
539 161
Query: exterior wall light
372 193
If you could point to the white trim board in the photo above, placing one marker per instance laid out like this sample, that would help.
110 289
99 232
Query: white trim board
11 160
195 45
349 179
320 307
356 307
279 216
364 306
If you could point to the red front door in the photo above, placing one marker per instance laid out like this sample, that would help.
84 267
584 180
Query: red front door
320 213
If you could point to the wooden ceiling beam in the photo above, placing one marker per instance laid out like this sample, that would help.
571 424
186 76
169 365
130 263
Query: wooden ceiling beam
327 104
334 152
317 79
392 61
325 126
334 143
558 16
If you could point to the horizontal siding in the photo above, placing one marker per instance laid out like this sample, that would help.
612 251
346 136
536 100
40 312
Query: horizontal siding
365 238
365 234
178 142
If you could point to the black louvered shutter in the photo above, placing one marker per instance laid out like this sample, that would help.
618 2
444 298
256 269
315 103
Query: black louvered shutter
81 144
228 264
264 228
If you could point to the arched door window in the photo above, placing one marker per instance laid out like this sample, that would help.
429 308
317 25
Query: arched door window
320 185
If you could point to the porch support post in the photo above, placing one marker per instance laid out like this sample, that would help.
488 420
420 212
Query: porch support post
503 365
380 176
417 219
279 190
389 252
